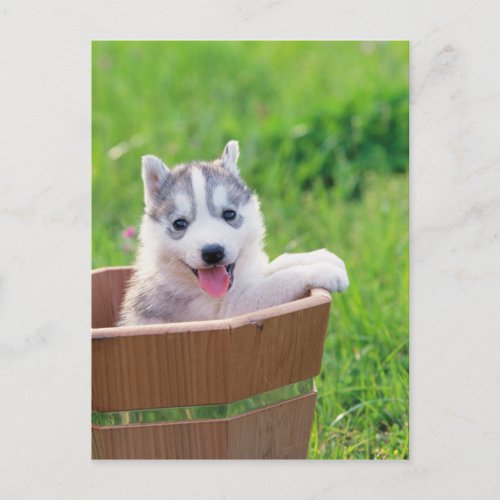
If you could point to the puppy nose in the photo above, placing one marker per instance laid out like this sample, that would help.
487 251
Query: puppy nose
212 254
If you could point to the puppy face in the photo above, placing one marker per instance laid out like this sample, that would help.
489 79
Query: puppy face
202 216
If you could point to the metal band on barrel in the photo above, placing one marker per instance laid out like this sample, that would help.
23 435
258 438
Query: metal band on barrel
204 412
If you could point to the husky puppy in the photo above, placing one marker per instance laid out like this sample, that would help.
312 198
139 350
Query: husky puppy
201 249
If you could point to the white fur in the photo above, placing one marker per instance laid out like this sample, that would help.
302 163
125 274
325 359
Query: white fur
220 196
182 203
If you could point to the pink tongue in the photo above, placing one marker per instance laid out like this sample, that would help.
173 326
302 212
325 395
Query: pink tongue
215 281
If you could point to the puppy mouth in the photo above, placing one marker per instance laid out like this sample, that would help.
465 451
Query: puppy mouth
216 280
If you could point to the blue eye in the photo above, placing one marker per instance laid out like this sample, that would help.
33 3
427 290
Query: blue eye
229 215
180 224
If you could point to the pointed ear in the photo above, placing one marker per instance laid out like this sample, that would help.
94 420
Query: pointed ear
154 171
230 157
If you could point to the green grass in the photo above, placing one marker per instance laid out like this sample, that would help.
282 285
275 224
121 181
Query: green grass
323 131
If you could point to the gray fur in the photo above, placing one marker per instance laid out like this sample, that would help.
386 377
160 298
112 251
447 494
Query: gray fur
175 234
237 192
179 181
163 208
147 299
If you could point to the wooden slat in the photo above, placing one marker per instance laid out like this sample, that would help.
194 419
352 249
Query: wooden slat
195 440
108 290
277 432
281 431
270 352
155 371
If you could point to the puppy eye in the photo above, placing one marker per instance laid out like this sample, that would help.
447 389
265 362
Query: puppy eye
180 224
229 214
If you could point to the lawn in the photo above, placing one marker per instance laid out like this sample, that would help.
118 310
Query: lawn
323 131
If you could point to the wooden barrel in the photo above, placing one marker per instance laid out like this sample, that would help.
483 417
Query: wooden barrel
234 388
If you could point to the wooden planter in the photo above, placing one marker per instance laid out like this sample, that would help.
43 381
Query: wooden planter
233 388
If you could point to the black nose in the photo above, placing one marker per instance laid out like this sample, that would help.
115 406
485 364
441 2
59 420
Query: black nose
212 254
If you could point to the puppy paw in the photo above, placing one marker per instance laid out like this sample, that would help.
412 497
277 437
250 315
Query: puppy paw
327 275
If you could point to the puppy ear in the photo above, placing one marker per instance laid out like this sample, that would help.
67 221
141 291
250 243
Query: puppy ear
154 171
230 157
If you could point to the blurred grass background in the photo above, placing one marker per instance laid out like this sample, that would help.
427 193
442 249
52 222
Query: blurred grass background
323 131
